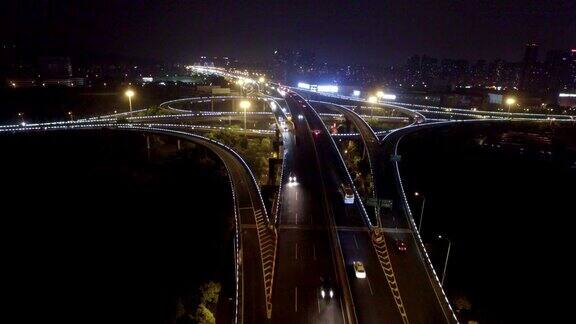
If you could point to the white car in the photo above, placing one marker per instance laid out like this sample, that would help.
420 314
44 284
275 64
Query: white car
347 193
300 117
359 270
292 178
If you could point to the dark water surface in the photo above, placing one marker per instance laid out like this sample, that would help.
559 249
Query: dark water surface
504 195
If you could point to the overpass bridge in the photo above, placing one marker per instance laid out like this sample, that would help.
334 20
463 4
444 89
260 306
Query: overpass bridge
283 256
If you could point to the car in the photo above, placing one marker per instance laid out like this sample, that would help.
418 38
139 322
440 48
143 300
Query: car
347 193
359 269
316 132
326 289
327 293
300 117
292 178
401 245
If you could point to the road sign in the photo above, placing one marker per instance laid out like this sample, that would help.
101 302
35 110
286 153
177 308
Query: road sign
386 203
375 202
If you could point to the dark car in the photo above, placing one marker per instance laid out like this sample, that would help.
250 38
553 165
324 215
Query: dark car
401 245
326 290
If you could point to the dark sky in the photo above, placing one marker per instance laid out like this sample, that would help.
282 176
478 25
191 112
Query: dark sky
339 32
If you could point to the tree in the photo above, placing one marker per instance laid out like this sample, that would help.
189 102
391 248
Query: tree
204 315
266 144
152 111
209 293
180 309
462 303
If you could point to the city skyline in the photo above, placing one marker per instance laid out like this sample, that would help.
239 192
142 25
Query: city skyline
364 33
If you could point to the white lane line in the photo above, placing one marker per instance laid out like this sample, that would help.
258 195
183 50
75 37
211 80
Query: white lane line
296 251
296 299
355 241
314 251
296 218
370 286
318 300
341 308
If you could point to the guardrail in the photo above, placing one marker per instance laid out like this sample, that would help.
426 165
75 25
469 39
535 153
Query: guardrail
343 164
489 113
422 249
283 168
414 113
365 140
154 129
378 240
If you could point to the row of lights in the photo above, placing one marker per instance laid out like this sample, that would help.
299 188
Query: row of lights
411 220
508 101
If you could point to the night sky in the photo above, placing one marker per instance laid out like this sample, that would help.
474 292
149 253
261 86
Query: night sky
339 32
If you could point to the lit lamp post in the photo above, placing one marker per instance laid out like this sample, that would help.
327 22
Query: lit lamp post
447 255
240 82
244 105
510 101
417 194
21 115
71 116
372 99
129 94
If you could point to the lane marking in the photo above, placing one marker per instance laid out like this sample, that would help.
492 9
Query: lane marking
314 251
296 299
296 251
355 241
341 309
370 286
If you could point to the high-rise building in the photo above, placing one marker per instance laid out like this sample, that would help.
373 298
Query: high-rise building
55 67
529 79
561 69
530 54
289 63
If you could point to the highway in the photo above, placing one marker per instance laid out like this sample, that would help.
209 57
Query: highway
372 300
313 238
304 254
422 296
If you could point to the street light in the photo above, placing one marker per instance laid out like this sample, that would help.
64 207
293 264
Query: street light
417 194
261 79
447 255
129 93
21 115
510 101
71 116
245 105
